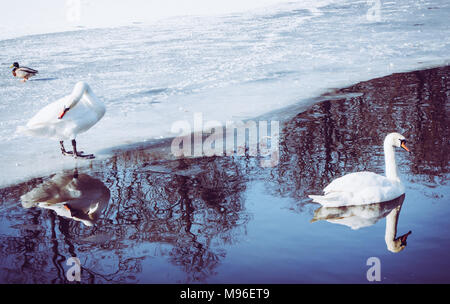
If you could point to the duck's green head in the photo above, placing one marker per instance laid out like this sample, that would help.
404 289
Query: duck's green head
14 65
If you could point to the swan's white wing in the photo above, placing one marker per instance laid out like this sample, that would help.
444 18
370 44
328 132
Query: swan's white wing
350 181
82 116
49 113
359 188
46 123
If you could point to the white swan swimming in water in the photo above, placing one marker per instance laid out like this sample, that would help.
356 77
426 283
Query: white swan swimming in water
361 188
65 118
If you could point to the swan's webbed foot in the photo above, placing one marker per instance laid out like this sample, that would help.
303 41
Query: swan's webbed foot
75 153
67 153
81 155
63 150
70 153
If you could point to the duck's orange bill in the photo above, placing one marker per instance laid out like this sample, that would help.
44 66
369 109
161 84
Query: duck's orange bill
404 146
63 113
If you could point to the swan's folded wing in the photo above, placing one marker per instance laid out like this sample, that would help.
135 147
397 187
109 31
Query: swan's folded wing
357 180
360 195
48 114
45 123
334 199
61 130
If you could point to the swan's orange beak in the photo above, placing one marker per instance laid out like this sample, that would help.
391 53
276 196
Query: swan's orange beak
63 113
404 146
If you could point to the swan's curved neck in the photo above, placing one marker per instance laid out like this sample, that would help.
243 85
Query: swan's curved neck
391 165
83 89
391 227
78 92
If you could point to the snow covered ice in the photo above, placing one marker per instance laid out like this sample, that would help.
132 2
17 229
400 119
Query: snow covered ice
230 66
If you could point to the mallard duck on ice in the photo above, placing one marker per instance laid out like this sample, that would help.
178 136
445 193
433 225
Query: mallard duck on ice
22 72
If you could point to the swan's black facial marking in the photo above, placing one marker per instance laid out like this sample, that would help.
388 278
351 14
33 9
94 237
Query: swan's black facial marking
63 112
403 145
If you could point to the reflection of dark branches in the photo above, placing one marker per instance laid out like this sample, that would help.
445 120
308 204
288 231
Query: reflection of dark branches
186 210
57 258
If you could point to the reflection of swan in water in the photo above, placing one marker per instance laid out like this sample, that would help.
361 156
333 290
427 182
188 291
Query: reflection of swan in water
75 196
357 217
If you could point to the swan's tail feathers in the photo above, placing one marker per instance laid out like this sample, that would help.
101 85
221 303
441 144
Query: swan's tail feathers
329 200
20 130
24 130
27 201
39 130
314 197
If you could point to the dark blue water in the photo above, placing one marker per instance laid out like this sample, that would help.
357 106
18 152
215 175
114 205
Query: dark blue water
140 217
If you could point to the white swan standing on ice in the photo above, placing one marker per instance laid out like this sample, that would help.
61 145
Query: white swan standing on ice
65 118
361 188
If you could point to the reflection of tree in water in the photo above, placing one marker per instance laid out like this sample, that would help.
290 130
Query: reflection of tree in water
222 213
18 254
200 203
345 134
42 242
196 211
